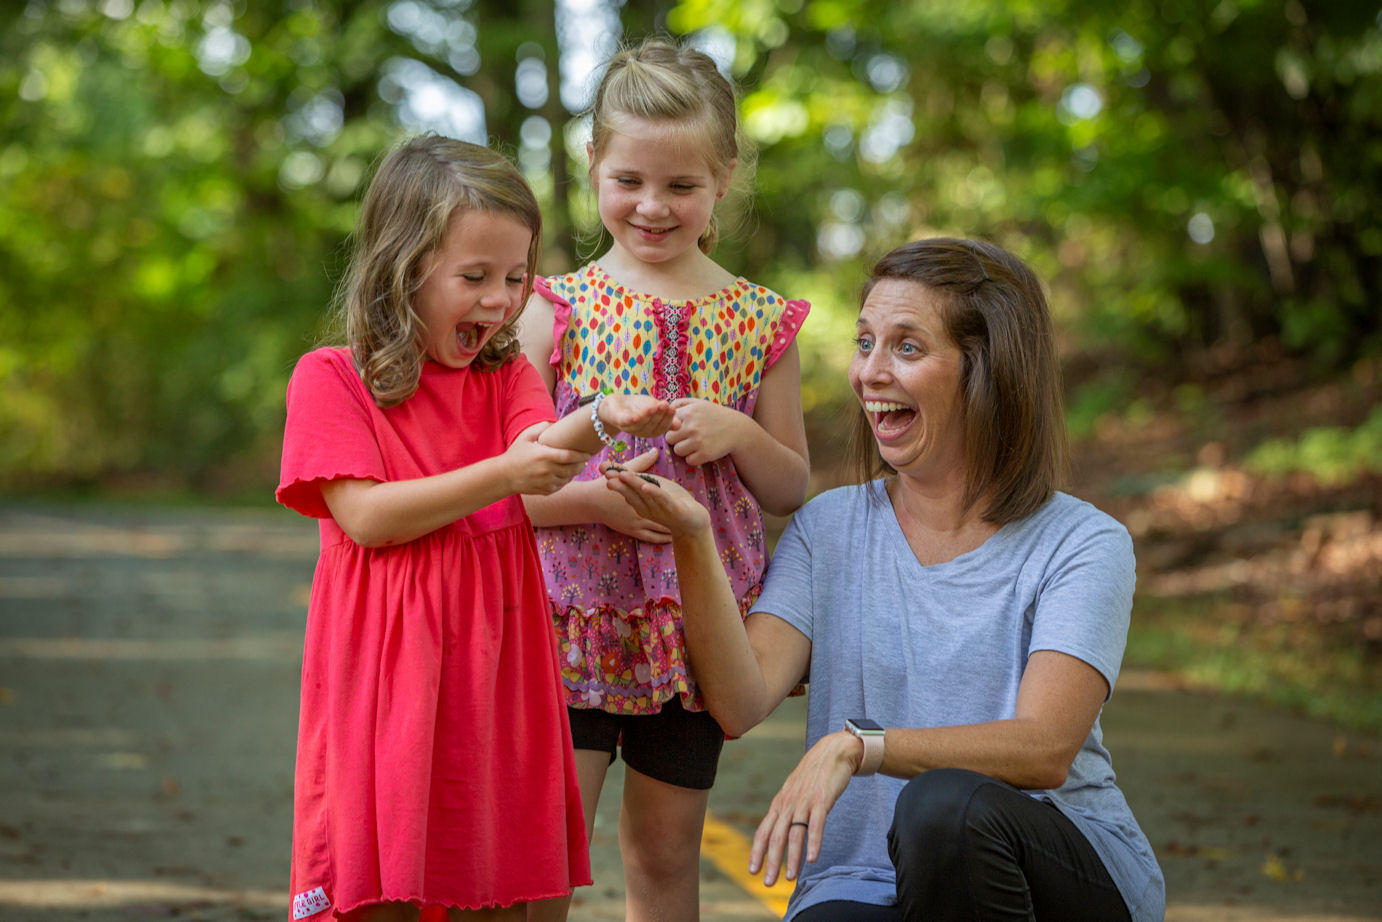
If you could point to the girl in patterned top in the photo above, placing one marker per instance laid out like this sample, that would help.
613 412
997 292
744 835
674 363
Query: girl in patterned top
656 315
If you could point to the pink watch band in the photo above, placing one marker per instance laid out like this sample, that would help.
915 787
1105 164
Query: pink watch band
873 740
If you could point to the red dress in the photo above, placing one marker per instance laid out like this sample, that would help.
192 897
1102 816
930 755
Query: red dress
434 758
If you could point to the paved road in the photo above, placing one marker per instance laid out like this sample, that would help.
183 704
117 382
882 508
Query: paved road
148 672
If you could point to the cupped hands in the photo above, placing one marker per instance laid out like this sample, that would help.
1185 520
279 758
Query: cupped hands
614 511
657 499
639 415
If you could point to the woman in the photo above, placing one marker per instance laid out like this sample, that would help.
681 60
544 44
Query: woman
960 604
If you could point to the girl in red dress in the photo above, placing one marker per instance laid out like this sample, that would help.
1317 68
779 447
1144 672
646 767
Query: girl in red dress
434 763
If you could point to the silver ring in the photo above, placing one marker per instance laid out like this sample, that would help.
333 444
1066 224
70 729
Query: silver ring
798 823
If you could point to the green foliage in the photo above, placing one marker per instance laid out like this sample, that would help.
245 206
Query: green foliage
1108 393
1331 454
171 206
1288 663
177 178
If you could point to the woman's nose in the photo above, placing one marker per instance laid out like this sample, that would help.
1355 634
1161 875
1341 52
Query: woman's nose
874 366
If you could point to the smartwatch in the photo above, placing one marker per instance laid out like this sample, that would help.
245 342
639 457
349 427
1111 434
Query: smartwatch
871 733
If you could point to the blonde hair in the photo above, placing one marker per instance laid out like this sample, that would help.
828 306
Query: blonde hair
404 217
660 81
994 310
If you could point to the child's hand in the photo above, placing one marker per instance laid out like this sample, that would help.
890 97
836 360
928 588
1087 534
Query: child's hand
534 468
616 513
661 500
637 414
705 431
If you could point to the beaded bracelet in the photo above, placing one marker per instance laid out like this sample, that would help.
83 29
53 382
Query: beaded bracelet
595 419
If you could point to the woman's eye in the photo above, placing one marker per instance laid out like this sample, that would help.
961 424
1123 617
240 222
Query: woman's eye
472 277
909 349
863 343
514 281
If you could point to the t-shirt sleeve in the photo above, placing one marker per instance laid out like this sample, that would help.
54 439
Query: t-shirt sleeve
526 401
329 433
1085 603
787 586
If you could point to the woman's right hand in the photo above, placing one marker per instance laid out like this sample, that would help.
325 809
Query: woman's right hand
663 501
615 512
533 468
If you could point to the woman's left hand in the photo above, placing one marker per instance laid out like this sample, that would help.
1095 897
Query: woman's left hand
782 842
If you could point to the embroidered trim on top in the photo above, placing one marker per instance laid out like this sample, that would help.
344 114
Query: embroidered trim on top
672 364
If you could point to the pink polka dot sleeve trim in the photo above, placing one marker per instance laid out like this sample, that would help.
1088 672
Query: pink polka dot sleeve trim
793 316
561 316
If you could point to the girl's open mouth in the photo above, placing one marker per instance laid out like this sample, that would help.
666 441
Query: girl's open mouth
469 336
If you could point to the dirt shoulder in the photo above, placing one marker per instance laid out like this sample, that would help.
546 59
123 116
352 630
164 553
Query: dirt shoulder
148 676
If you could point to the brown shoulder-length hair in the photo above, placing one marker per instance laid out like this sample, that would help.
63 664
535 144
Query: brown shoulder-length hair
405 215
994 310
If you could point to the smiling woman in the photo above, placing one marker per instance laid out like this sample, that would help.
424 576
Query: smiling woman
906 374
972 309
961 622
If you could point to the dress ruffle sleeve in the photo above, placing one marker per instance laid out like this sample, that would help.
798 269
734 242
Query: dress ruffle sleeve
561 316
328 433
793 316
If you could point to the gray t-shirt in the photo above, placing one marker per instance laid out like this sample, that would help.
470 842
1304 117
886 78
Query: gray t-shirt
928 646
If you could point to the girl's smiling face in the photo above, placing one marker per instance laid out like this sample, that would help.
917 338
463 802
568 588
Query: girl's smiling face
906 373
472 284
656 189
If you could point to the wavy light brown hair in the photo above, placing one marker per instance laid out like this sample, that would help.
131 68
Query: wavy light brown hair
660 81
406 212
994 310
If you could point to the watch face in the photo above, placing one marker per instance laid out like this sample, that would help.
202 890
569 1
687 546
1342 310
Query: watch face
866 725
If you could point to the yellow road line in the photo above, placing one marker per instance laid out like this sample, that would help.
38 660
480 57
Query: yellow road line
722 844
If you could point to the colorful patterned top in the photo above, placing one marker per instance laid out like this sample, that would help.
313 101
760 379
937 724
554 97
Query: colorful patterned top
616 603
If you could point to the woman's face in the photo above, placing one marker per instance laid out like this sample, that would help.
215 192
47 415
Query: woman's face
906 374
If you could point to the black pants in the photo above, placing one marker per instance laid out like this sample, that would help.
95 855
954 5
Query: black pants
968 848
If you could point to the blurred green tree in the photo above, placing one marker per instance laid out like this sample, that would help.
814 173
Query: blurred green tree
1189 175
177 177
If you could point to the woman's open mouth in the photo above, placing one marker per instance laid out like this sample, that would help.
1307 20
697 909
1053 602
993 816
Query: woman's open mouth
889 418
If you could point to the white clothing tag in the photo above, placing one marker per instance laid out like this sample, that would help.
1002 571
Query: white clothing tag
310 903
